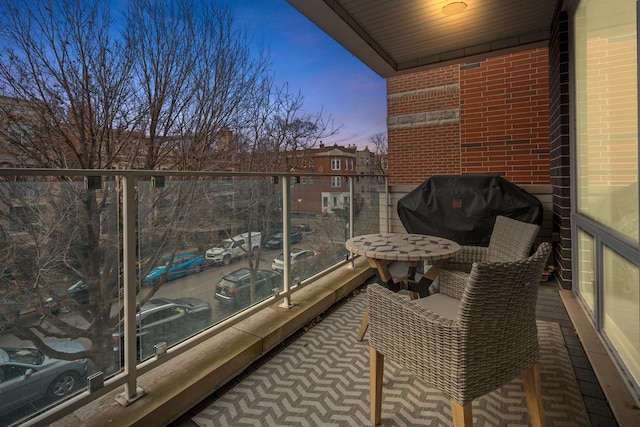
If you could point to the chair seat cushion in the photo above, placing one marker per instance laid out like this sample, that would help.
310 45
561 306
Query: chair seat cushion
440 304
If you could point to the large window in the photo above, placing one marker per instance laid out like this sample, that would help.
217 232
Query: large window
606 170
607 125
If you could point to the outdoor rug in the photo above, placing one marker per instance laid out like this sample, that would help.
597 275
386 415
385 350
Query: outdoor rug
322 379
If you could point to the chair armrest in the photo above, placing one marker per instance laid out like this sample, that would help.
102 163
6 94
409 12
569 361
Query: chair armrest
467 255
413 336
455 274
453 282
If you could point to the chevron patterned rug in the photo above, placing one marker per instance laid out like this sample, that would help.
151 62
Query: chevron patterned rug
322 379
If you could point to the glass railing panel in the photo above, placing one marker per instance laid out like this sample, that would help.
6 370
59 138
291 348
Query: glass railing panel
59 287
248 278
201 253
320 212
370 209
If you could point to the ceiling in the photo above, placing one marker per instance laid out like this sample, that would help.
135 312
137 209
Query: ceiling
399 36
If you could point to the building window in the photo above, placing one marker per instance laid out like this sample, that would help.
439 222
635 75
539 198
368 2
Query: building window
607 129
606 171
336 181
325 202
335 164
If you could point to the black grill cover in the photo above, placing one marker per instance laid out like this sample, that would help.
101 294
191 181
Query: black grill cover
463 208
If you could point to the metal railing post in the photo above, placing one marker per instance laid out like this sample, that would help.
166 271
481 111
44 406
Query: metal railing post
352 215
388 203
131 391
286 239
352 204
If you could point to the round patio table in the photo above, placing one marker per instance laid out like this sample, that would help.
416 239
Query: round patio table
381 249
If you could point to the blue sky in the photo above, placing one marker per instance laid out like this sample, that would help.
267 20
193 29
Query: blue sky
328 77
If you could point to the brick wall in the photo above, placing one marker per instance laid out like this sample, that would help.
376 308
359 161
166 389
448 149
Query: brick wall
490 116
423 125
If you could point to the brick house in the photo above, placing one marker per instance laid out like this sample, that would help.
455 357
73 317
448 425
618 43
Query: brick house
316 194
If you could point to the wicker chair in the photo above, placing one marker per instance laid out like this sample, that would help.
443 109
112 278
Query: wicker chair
511 240
465 347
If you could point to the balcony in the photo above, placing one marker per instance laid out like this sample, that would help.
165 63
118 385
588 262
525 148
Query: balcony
131 239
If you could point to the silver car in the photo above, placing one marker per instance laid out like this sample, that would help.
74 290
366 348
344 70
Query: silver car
28 375
165 319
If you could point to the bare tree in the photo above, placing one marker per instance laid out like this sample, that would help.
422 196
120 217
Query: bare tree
274 129
195 74
177 88
379 141
60 57
72 77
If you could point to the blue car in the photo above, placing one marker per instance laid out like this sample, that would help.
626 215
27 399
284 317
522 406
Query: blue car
172 268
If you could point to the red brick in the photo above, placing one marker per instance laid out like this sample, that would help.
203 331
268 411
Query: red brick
504 124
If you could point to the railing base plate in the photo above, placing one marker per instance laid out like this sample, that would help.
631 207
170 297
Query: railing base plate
126 401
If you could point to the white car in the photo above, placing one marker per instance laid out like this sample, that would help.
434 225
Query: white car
299 259
234 247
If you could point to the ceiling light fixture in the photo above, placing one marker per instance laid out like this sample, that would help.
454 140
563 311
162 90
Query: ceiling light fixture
454 8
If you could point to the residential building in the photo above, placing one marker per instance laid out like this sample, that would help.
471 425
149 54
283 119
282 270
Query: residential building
315 195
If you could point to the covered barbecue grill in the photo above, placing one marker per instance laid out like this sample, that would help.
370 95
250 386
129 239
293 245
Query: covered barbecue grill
463 208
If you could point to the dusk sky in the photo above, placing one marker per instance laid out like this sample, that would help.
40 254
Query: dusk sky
328 77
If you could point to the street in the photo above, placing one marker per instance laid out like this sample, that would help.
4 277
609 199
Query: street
199 285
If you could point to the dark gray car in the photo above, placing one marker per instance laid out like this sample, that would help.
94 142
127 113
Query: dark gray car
27 375
235 287
275 241
166 320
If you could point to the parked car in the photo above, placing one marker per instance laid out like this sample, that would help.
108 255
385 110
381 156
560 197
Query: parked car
27 375
235 287
234 247
275 241
165 319
299 258
79 292
173 267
